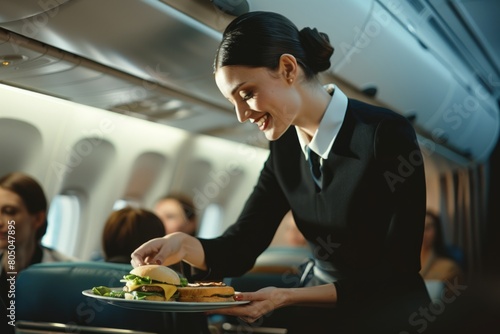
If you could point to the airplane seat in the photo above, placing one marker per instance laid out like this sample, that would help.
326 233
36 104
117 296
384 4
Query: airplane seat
435 289
282 258
457 254
52 293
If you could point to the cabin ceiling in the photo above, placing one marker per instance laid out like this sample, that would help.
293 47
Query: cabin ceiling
153 59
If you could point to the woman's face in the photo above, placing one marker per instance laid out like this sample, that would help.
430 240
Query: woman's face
174 218
13 212
265 98
429 232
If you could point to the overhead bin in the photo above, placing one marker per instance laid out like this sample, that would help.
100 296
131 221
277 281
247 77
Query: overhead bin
22 9
467 121
47 70
411 80
376 52
183 48
340 19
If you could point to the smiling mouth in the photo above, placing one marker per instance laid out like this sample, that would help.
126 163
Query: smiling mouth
262 122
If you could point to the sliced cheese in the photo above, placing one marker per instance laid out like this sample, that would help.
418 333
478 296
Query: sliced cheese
168 289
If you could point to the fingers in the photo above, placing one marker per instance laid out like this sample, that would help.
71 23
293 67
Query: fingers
249 312
136 260
248 320
250 296
151 252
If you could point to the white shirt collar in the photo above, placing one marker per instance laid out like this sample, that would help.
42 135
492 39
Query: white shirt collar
329 127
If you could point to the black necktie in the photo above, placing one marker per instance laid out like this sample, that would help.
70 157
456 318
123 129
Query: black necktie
315 165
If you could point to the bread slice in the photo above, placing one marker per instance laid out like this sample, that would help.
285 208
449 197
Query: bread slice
209 294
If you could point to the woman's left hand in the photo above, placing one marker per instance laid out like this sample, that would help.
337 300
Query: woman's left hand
262 302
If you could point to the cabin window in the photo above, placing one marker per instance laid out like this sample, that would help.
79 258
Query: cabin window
20 144
123 203
211 222
146 171
63 223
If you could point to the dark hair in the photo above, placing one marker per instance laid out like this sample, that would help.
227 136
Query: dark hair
439 245
258 39
126 229
186 203
30 192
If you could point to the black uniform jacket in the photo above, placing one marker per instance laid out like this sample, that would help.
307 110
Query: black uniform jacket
367 220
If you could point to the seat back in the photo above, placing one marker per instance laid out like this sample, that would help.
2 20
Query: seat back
52 292
435 288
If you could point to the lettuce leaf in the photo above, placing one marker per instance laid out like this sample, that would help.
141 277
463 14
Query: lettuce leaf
138 280
108 292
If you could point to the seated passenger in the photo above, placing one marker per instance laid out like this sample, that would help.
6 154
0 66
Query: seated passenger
435 260
288 250
177 213
127 229
23 223
293 236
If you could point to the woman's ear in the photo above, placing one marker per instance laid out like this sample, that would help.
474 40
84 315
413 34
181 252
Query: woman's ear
288 67
39 219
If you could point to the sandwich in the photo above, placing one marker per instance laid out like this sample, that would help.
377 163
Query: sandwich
209 292
160 283
152 282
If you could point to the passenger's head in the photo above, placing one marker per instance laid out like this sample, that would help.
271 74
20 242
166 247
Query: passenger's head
23 203
126 229
268 69
177 213
433 234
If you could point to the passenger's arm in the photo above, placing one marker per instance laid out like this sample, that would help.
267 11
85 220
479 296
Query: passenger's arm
170 249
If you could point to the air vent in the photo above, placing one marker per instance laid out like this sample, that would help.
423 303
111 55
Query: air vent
9 60
484 84
417 5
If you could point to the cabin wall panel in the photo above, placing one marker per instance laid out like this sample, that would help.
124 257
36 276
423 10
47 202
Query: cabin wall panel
20 144
230 170
130 137
91 153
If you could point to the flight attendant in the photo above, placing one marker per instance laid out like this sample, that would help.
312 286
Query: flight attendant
351 173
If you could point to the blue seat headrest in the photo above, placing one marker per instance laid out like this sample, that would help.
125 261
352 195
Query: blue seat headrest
52 292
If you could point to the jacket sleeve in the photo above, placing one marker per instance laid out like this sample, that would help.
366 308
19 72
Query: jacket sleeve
235 252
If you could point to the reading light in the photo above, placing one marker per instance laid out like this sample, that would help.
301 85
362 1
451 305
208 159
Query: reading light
9 60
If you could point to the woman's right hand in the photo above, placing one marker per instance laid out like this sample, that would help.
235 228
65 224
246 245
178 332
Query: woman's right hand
170 249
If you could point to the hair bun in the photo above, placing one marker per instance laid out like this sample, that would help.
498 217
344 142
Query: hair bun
318 49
